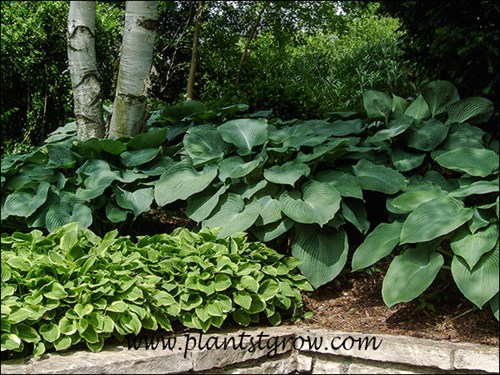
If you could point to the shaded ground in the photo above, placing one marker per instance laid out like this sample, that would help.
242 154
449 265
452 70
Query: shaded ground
353 302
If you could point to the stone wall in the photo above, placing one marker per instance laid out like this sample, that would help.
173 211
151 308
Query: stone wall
281 350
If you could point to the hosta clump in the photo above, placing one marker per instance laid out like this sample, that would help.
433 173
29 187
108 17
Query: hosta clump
72 286
453 200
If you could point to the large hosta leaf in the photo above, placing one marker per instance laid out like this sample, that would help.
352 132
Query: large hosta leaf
379 177
323 252
396 127
405 161
60 156
354 211
233 216
181 180
478 187
151 139
434 218
426 135
377 245
341 128
25 202
418 109
318 203
273 230
138 157
438 95
378 105
203 144
137 201
201 205
475 110
413 197
474 161
236 167
472 246
480 283
63 213
346 183
464 135
245 134
287 173
410 274
269 209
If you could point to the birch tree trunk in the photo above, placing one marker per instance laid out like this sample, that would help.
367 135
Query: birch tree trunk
85 80
136 57
194 53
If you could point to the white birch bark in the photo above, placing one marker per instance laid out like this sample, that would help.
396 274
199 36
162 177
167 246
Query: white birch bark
85 80
135 63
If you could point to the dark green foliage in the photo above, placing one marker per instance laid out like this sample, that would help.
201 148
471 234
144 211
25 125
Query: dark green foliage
36 86
453 40
302 179
73 286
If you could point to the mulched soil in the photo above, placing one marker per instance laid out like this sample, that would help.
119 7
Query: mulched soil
353 302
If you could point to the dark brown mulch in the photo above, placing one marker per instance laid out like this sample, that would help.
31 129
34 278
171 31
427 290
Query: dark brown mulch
353 302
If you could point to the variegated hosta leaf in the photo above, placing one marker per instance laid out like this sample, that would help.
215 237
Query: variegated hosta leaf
473 161
410 274
201 205
413 197
26 202
433 219
322 250
287 173
138 201
472 246
317 203
181 180
232 215
377 245
438 95
245 134
475 110
379 177
203 143
346 183
480 283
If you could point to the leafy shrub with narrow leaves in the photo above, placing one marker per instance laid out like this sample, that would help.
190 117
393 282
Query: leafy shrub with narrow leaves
72 286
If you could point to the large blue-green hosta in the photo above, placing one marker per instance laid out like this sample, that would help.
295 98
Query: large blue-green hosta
305 180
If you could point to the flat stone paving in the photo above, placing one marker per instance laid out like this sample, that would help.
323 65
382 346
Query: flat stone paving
278 350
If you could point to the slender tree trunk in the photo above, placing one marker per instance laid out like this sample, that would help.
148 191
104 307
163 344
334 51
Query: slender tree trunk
85 80
251 36
136 58
194 54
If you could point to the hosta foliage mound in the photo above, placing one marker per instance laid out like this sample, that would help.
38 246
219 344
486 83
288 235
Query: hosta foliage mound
72 286
303 180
